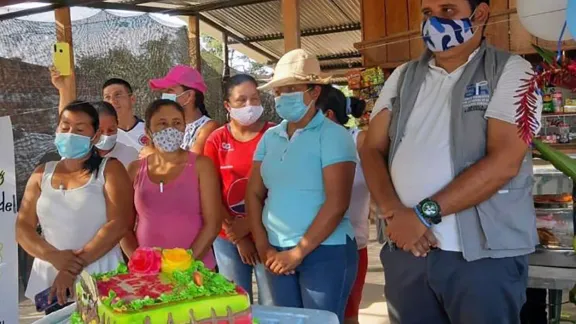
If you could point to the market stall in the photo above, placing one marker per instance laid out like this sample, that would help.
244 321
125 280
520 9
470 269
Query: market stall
366 84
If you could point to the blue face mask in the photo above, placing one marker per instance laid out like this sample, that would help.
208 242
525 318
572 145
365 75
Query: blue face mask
441 34
291 106
169 96
72 146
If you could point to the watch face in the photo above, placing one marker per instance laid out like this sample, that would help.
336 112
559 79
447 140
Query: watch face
430 209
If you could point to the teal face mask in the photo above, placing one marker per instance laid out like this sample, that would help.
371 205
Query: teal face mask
169 96
72 146
291 106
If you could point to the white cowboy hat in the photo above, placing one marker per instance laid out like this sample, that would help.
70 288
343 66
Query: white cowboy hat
296 67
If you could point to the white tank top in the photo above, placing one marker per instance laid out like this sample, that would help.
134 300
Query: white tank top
70 219
360 203
191 132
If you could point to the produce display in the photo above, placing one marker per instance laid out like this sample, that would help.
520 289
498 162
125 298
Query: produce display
160 286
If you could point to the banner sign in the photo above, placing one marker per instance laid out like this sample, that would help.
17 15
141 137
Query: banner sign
8 211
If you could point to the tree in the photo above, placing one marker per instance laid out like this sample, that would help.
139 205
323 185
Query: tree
211 45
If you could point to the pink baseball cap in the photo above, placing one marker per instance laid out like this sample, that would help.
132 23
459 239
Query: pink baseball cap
180 75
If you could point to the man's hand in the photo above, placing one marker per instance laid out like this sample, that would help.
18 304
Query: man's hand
423 246
67 260
285 262
247 251
63 283
60 82
405 228
237 229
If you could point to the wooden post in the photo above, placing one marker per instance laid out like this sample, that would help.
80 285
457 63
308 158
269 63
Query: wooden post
64 34
373 21
194 42
498 27
225 57
291 22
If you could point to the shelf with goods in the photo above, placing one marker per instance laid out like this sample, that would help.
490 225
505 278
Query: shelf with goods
555 217
366 84
558 122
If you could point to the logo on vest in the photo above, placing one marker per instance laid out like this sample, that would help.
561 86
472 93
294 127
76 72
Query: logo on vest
476 97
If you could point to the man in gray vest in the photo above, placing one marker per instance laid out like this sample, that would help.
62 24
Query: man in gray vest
445 165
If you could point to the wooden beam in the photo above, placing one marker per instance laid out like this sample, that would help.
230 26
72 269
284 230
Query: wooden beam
64 34
497 29
414 23
520 39
194 42
373 21
397 22
225 57
291 23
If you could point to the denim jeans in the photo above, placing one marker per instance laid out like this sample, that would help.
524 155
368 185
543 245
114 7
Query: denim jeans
322 281
230 265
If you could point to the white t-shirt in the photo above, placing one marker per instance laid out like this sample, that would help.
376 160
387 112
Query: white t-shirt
124 153
192 130
422 165
134 137
360 202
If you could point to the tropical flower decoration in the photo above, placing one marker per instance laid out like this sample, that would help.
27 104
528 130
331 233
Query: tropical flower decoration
557 72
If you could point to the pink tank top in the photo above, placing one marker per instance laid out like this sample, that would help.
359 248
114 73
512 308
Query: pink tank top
171 218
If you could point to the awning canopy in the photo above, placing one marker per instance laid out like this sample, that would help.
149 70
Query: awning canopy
329 28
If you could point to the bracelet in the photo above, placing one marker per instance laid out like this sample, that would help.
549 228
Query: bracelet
422 218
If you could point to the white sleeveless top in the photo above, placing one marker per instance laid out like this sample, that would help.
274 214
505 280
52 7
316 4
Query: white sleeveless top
192 130
360 202
70 219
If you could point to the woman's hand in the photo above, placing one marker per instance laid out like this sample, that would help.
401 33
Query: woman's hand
67 260
285 262
62 286
265 253
237 229
247 251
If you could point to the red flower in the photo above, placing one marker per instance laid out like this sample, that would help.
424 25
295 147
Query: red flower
145 261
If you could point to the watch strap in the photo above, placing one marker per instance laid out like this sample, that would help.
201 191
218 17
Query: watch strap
423 219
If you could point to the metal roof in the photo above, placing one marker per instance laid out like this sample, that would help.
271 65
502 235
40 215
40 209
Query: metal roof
329 28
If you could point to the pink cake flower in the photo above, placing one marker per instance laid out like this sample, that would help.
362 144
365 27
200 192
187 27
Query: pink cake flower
145 261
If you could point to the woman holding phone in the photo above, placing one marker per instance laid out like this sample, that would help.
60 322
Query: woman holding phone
83 204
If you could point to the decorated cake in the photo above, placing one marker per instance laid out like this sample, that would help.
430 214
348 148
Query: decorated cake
160 286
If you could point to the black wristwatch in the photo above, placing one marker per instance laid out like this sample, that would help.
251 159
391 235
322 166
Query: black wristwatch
430 210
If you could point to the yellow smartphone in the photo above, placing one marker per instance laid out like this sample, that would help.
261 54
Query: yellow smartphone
61 57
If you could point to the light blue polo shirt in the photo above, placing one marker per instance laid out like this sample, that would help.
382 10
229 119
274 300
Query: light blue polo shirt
292 172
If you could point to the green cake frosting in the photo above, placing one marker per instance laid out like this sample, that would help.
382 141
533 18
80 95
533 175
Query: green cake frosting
76 318
122 268
185 288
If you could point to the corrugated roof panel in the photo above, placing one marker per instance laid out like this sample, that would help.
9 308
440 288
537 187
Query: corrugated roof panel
332 43
351 7
336 43
251 20
323 13
274 46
